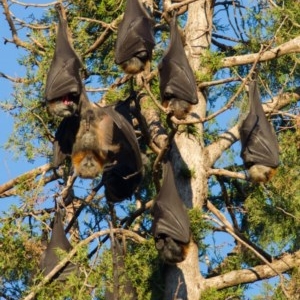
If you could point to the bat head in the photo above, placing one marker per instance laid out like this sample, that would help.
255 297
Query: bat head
87 164
65 106
171 251
260 173
178 108
136 64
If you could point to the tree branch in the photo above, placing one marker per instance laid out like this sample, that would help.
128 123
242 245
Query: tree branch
289 47
26 176
234 278
62 263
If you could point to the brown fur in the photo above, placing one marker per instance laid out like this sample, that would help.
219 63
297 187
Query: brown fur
260 173
133 66
178 108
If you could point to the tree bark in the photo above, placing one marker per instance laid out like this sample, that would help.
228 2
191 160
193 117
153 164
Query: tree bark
188 155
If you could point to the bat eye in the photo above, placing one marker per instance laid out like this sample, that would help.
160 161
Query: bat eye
143 55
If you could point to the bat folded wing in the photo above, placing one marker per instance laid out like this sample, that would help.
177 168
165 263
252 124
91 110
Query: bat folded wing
177 82
65 137
170 224
133 39
259 142
63 79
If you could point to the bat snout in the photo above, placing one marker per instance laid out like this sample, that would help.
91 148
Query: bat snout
87 165
134 65
62 107
177 107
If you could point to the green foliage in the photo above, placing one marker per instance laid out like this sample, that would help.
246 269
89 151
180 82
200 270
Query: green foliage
276 209
212 61
231 293
199 227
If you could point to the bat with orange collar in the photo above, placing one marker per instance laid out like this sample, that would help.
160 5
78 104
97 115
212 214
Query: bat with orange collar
101 140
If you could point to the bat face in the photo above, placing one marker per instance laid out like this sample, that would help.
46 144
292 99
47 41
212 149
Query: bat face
260 173
94 144
50 258
171 226
63 84
87 164
177 84
99 140
260 150
135 39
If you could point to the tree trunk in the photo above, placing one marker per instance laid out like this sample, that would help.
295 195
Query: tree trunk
183 281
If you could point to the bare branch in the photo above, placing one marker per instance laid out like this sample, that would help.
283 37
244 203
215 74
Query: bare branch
26 176
292 46
234 278
223 172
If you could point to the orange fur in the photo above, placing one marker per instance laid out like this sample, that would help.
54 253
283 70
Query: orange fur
80 155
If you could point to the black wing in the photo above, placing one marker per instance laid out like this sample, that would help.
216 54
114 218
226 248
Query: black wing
58 241
135 33
123 176
65 137
170 215
64 74
176 78
258 139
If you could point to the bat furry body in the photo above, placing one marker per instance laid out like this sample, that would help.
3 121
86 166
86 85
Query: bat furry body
50 257
171 226
135 39
99 140
177 84
260 150
63 84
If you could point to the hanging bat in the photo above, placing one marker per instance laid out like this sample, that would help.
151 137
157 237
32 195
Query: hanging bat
171 225
135 39
50 257
260 150
122 286
122 177
63 84
177 84
99 140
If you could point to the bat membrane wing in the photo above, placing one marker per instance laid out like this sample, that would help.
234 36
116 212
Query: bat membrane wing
64 74
260 145
175 73
65 137
258 139
65 81
137 38
170 215
135 32
171 224
50 257
122 177
175 82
